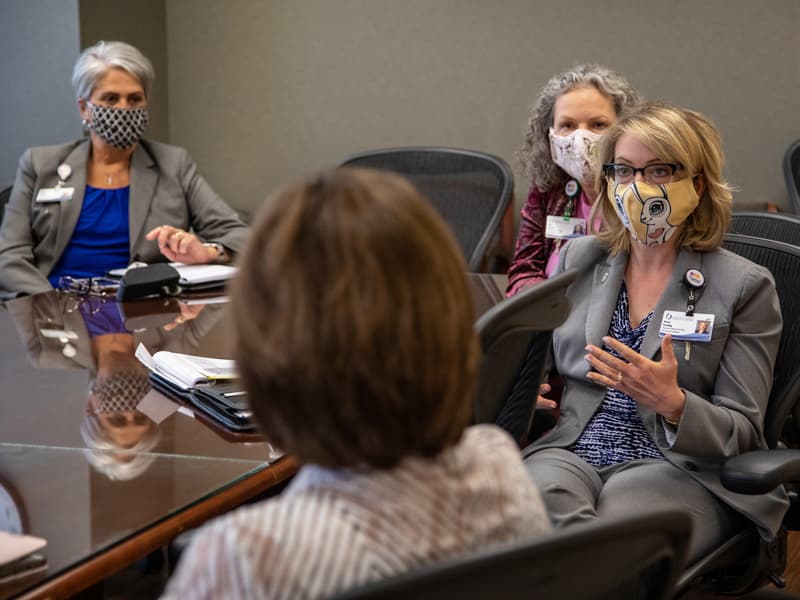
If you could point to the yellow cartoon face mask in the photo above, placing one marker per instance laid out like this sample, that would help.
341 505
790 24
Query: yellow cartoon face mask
652 213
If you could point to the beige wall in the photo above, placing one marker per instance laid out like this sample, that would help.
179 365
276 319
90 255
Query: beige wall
143 24
38 46
263 91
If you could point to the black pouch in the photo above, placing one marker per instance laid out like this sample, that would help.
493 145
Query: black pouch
158 279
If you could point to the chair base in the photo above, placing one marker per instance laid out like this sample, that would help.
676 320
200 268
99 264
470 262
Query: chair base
718 574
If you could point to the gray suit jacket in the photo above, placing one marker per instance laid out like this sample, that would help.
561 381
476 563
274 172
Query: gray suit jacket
165 189
727 380
33 314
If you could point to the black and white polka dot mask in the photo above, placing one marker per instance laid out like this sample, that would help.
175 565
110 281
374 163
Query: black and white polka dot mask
119 127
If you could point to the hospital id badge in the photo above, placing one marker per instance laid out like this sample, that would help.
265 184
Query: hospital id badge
59 334
694 328
564 228
55 194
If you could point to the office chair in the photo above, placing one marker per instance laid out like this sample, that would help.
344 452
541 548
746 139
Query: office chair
5 195
515 339
745 561
635 557
470 189
781 227
791 172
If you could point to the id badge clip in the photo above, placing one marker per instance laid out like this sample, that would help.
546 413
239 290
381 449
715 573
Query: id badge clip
688 326
59 193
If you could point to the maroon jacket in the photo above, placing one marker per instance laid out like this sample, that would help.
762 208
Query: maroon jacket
533 249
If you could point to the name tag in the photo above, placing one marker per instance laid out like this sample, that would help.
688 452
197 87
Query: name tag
55 194
59 334
697 328
564 228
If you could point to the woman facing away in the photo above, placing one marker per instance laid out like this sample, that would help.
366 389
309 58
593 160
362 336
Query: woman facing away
91 205
650 410
570 115
361 362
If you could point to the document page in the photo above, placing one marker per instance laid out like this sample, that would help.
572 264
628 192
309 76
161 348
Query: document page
187 370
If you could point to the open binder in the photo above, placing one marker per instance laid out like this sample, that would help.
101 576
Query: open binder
225 403
208 385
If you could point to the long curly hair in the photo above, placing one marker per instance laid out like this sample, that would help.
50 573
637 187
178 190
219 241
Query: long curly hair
533 157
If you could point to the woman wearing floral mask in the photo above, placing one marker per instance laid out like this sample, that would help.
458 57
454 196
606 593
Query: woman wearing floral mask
572 112
82 208
650 410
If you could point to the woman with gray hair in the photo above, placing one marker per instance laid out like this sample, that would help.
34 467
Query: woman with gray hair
567 120
88 206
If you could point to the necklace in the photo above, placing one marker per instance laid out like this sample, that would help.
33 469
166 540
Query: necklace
110 175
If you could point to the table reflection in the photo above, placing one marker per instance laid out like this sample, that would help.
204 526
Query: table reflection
63 335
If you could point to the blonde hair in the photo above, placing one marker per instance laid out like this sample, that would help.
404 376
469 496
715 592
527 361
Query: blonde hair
677 135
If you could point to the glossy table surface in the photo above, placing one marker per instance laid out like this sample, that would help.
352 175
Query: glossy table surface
87 470
108 477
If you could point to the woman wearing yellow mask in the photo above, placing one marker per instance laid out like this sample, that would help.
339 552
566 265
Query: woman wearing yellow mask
650 409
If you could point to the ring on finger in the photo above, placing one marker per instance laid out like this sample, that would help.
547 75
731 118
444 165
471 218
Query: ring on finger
619 377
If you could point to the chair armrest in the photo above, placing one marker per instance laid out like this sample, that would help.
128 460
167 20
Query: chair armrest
760 471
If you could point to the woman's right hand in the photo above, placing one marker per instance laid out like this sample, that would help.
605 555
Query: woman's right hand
541 401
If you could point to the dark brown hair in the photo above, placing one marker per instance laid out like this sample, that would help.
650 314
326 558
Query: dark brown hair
354 322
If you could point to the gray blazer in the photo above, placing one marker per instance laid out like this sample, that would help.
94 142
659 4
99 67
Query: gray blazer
33 314
727 380
165 189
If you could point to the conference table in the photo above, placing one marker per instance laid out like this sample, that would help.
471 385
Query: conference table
100 507
102 501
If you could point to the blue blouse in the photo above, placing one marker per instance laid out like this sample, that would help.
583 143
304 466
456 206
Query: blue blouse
616 433
100 241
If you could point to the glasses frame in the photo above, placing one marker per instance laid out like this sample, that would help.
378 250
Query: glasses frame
610 168
85 286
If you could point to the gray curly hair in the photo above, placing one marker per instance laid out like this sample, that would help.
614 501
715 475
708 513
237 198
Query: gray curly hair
533 156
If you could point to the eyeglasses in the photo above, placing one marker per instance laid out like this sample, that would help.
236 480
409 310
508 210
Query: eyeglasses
654 173
96 286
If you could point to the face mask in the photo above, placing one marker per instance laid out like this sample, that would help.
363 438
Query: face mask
652 213
119 127
574 152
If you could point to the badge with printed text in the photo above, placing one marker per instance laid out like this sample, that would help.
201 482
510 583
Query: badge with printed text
55 194
693 328
59 334
564 228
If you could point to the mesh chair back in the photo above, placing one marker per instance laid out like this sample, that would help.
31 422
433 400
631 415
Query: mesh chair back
783 261
471 190
745 561
633 557
5 195
781 227
791 172
515 339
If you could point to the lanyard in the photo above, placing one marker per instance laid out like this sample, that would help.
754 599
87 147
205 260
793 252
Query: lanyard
694 281
572 190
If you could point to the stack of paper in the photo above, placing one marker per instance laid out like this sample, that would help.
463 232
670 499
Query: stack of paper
193 275
19 560
185 370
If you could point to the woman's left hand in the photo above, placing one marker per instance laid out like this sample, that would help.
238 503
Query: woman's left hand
179 245
653 384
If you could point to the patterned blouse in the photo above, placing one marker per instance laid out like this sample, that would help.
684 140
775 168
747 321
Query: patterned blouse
616 433
335 529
